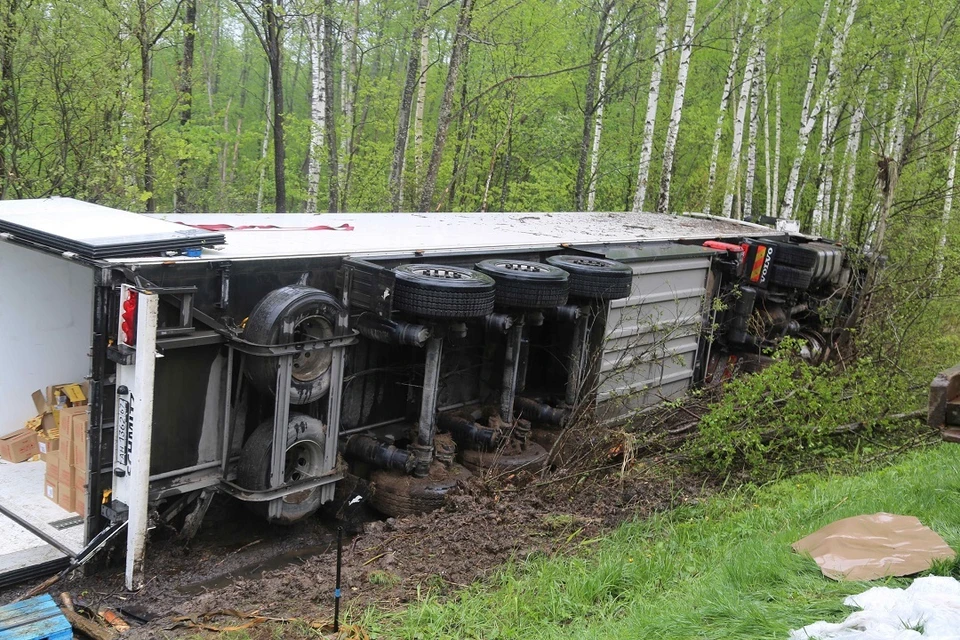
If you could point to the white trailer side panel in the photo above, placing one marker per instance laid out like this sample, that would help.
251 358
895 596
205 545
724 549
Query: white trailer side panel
46 323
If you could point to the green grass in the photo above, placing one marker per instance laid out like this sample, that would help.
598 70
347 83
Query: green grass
723 569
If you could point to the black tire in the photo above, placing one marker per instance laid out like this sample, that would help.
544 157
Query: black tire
306 440
522 284
794 255
314 315
438 291
397 494
595 278
790 277
532 459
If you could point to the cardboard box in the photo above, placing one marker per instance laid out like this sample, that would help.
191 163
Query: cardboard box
53 465
57 398
65 496
51 490
80 503
47 443
19 446
79 441
65 474
68 418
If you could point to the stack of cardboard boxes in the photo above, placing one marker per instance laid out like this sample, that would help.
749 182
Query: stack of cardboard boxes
58 435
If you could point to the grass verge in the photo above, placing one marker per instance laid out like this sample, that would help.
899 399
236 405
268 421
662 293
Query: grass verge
722 569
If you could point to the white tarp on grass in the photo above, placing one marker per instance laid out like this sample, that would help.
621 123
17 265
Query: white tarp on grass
928 608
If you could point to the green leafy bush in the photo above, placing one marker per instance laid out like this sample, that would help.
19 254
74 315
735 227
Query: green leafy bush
793 411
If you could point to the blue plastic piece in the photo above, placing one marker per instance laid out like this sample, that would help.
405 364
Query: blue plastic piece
336 593
34 619
193 252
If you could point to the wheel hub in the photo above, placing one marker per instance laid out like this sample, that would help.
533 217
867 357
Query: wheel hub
310 365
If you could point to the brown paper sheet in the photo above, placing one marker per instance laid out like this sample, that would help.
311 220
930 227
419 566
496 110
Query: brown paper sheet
874 546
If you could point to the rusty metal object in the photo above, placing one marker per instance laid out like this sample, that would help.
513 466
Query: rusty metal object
513 456
539 412
943 412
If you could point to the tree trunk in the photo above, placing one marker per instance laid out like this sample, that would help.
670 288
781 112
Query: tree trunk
9 105
266 142
446 104
318 110
947 202
143 38
831 116
350 99
733 171
724 102
778 133
418 114
591 102
807 120
768 204
406 101
326 59
842 220
186 97
597 131
673 129
752 142
646 150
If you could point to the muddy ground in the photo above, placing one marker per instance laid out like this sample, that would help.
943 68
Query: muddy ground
239 562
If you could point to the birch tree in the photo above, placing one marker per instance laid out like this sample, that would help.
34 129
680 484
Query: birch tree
752 145
653 96
673 129
733 170
832 113
722 111
421 102
597 131
947 201
592 100
446 104
807 119
842 216
406 100
318 110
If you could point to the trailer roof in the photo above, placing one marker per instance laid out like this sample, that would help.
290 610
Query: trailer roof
385 234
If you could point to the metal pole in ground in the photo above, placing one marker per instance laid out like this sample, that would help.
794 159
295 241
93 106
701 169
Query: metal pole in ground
336 593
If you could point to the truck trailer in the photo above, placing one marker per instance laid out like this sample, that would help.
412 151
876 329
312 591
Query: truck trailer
269 356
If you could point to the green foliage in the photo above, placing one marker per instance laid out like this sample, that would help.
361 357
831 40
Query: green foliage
792 413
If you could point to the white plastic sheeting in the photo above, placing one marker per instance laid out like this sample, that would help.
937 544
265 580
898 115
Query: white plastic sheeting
928 608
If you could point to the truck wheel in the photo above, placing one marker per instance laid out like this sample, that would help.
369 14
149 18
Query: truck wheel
314 315
595 278
438 291
527 285
306 440
794 255
531 459
398 494
790 277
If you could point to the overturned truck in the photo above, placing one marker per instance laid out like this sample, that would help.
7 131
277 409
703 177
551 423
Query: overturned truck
267 357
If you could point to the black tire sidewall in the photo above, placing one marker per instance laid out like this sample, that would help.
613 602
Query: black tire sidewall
254 466
265 326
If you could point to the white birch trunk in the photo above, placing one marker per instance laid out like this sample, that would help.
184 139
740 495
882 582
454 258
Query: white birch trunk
768 207
676 113
317 110
778 133
807 119
948 202
597 131
653 97
831 116
421 101
842 220
752 143
724 102
733 171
